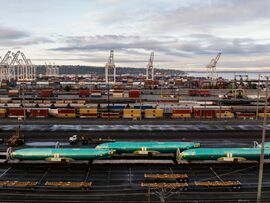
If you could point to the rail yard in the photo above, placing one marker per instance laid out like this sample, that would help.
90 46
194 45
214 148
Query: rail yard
143 138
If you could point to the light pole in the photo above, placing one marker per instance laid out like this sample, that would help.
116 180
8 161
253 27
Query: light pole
259 194
258 97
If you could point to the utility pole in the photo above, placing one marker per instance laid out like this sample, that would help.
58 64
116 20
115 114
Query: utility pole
108 107
259 194
258 97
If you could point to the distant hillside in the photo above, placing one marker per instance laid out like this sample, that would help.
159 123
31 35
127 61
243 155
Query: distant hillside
100 70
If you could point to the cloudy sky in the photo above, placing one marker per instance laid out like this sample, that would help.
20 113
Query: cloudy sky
184 34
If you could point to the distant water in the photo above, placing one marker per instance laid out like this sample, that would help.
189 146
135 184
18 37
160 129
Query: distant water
230 75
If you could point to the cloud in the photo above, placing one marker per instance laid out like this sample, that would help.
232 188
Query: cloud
176 17
14 37
8 33
206 16
187 46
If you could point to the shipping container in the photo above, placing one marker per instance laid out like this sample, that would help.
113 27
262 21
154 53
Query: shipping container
16 112
13 93
81 101
182 113
88 113
84 93
3 113
3 91
96 93
117 93
261 115
53 112
66 113
60 102
153 113
209 111
225 115
116 107
143 106
39 113
134 93
109 115
245 115
132 113
5 99
46 93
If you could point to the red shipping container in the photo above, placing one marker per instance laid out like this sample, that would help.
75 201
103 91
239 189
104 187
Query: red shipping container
182 111
13 93
16 112
134 93
84 93
66 111
245 115
46 93
204 113
39 113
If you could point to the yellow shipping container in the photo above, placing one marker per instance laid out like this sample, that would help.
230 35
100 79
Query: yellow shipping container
225 115
2 113
66 115
261 115
47 101
68 102
185 115
88 113
81 101
59 102
132 113
154 113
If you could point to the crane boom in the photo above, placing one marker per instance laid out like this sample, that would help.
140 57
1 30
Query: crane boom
15 57
5 59
216 59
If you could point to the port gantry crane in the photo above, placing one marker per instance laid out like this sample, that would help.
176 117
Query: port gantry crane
4 67
110 65
52 70
29 68
11 67
19 70
150 68
211 68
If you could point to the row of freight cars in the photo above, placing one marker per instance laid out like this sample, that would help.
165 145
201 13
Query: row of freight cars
45 93
116 93
185 112
189 151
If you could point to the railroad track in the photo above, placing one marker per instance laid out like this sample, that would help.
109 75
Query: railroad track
123 183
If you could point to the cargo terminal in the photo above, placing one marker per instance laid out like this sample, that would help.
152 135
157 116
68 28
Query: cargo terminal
130 135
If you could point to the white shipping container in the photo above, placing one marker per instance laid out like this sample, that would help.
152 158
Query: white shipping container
53 112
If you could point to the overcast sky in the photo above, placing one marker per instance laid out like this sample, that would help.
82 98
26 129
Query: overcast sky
184 34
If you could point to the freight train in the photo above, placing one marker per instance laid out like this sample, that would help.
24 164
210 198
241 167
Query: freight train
101 151
188 151
131 111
